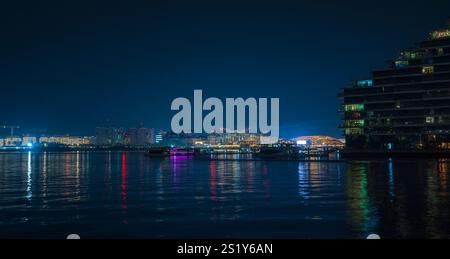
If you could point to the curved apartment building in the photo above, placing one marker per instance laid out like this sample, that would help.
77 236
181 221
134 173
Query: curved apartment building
405 106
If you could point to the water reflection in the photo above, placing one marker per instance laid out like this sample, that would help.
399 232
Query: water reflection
44 174
213 180
412 201
391 179
121 194
29 179
362 212
303 181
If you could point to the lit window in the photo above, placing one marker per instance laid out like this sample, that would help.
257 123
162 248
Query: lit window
440 51
411 54
364 83
353 107
429 120
354 123
401 63
428 69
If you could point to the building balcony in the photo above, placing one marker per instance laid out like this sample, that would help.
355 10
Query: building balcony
399 125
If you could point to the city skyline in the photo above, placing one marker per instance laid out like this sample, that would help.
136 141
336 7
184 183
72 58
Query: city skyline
404 105
225 127
68 69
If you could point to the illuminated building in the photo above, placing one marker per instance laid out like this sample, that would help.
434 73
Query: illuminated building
28 141
12 142
159 137
181 140
319 141
18 142
210 140
405 106
223 136
134 137
139 137
145 136
71 141
110 137
249 139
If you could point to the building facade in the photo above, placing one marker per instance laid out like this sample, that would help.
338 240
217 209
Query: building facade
109 136
70 141
159 137
250 139
140 137
405 106
134 137
11 142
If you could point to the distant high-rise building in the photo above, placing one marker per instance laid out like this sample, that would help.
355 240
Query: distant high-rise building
140 136
234 139
71 141
131 137
405 106
110 137
145 136
120 137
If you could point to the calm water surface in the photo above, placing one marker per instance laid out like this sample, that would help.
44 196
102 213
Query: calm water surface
127 195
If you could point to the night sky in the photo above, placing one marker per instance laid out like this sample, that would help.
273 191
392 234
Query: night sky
67 68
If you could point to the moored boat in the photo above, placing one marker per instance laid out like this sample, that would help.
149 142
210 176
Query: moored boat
278 152
182 152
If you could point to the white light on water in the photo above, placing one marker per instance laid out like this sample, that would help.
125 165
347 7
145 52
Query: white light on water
29 179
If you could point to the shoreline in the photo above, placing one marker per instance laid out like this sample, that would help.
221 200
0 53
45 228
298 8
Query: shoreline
346 155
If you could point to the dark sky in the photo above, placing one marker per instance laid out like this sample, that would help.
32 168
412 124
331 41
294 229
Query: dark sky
69 67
